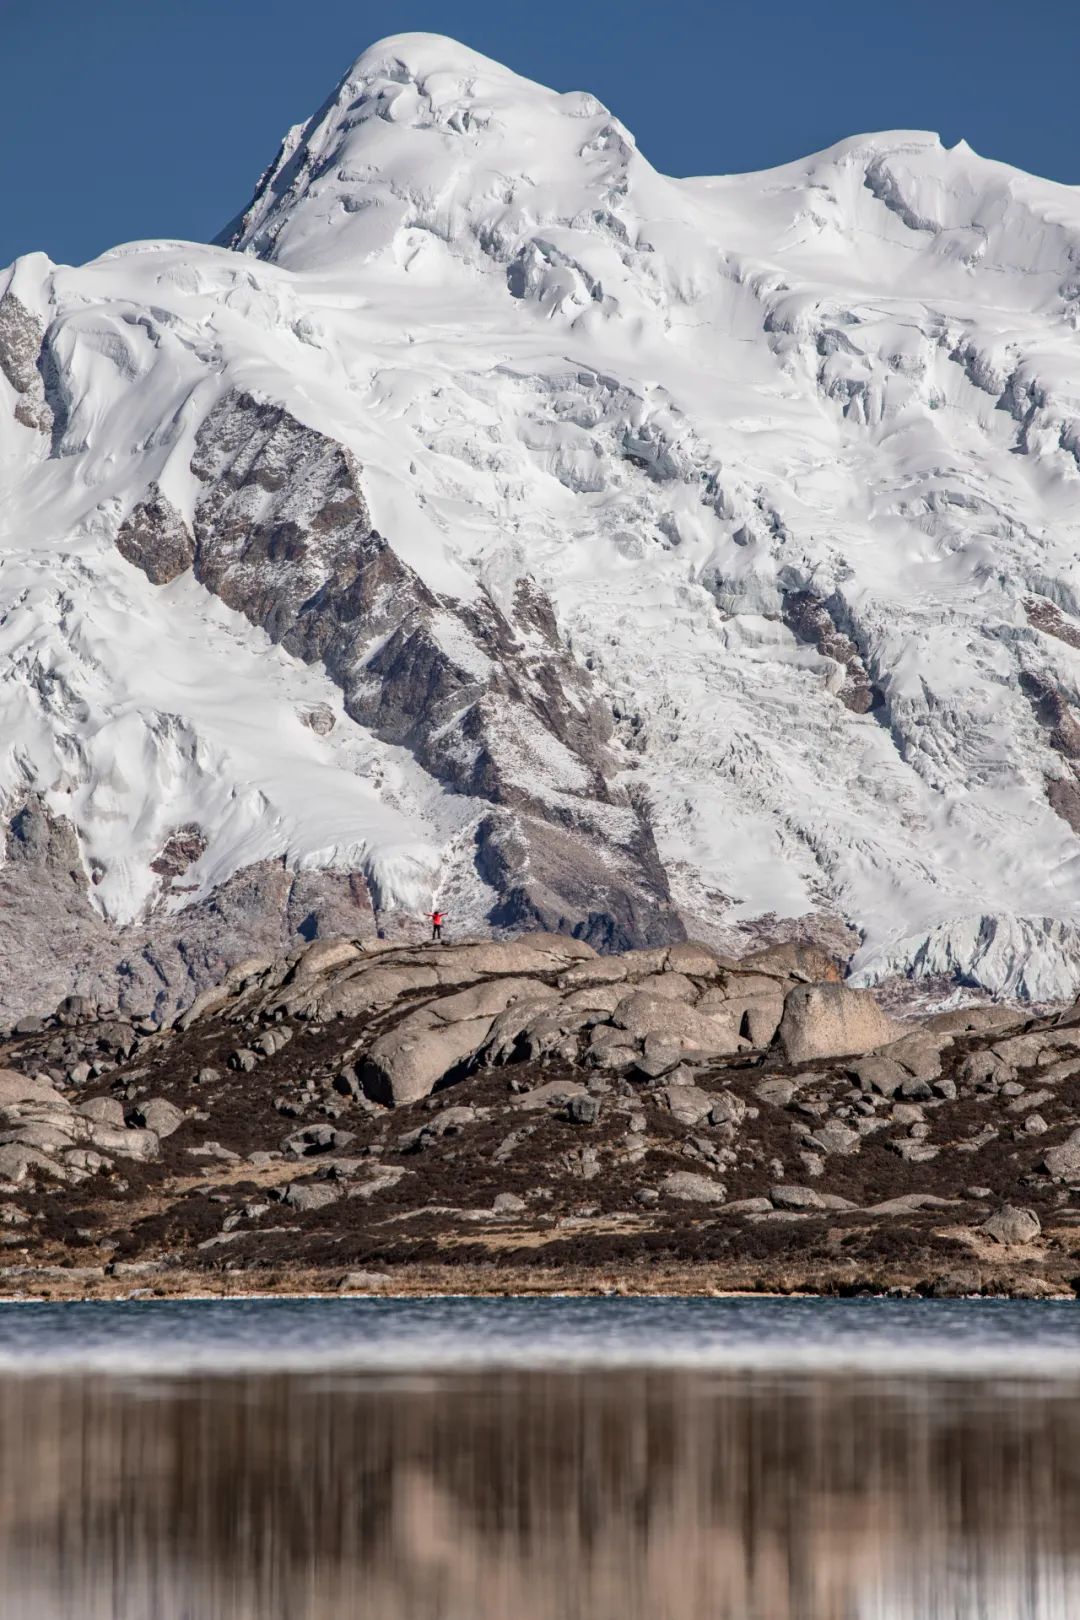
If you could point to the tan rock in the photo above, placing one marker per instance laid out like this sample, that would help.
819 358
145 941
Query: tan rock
691 1031
691 1188
601 998
670 986
604 970
377 987
1009 1225
688 1104
808 964
320 957
692 957
486 1000
407 1064
18 1088
830 1020
552 1094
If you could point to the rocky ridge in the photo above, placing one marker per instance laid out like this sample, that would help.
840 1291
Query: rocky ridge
489 1115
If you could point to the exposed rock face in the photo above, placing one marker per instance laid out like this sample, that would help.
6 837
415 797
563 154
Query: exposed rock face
21 338
155 538
809 618
495 709
53 940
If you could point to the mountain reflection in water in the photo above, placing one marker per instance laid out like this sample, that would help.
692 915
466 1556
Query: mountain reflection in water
539 1496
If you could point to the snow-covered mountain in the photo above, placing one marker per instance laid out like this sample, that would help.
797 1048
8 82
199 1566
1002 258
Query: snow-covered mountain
489 518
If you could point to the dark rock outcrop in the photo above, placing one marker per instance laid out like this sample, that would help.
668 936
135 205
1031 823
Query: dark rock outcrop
493 706
155 538
21 339
53 939
811 621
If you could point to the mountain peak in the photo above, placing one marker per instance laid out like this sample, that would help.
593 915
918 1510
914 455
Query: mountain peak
414 57
420 121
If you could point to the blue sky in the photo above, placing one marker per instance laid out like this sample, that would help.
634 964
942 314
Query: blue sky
123 120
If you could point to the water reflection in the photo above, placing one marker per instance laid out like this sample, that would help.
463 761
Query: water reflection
529 1496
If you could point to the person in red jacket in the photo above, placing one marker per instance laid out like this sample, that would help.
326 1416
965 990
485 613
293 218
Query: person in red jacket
436 918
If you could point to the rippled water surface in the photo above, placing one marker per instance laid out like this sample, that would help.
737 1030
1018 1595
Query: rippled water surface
539 1460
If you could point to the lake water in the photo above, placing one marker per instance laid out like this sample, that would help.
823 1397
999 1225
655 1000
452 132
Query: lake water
540 1460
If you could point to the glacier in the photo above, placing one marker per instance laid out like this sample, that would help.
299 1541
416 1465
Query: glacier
725 531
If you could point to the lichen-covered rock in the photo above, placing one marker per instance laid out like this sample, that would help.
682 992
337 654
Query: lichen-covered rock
690 1188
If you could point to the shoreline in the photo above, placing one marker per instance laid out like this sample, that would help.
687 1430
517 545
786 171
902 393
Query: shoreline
57 1285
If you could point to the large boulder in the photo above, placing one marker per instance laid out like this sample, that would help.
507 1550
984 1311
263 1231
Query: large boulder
17 1162
407 1064
487 1000
158 1115
1010 1225
809 964
321 956
690 956
684 1027
688 1104
830 1020
691 1188
19 1088
1063 1161
104 1111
